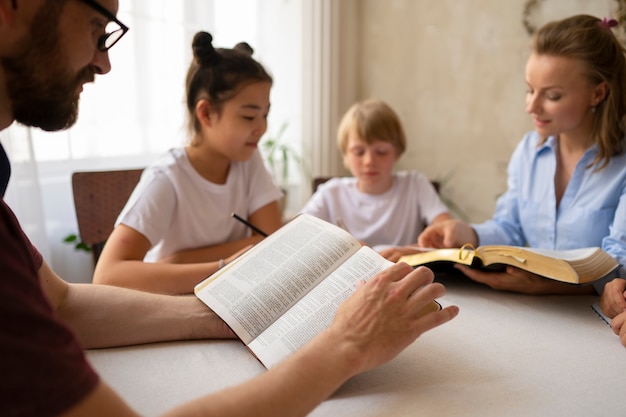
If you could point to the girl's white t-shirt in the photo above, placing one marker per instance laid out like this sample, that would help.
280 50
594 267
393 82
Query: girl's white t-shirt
175 208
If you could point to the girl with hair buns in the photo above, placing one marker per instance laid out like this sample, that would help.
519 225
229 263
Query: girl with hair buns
176 228
566 179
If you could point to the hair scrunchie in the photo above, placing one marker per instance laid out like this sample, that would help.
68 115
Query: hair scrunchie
607 23
203 50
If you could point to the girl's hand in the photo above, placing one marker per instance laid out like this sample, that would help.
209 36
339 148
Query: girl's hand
237 254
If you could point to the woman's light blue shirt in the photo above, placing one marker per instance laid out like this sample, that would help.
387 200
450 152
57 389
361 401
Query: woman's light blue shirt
592 211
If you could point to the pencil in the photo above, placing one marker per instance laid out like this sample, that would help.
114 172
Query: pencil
250 225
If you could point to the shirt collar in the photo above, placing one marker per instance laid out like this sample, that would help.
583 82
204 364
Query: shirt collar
551 143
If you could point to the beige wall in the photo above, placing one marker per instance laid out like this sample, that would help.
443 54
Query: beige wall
454 71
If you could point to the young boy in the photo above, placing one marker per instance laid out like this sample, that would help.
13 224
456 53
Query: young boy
379 207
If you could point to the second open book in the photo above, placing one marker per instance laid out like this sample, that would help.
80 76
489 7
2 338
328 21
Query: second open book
285 290
576 266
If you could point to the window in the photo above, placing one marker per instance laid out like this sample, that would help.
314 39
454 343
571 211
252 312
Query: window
138 108
148 74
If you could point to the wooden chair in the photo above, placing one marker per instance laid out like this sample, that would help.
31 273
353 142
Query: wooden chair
321 180
99 197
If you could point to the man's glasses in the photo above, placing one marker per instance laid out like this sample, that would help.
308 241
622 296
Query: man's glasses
114 29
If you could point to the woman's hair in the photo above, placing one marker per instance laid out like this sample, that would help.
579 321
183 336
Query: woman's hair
218 74
373 120
591 41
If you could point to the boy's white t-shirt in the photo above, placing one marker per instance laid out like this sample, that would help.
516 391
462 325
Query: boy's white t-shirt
175 208
394 218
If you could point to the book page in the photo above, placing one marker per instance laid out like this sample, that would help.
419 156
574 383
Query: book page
567 255
315 312
428 255
575 266
455 254
266 281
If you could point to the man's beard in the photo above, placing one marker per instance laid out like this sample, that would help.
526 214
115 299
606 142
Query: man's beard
42 92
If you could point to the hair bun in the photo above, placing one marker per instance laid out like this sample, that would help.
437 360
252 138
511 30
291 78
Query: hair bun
243 47
203 50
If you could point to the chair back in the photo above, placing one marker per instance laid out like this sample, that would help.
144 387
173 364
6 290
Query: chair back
99 197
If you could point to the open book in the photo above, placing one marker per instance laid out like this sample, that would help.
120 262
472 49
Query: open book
281 293
576 266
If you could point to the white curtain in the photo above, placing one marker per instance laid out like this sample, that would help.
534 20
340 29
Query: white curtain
136 112
24 194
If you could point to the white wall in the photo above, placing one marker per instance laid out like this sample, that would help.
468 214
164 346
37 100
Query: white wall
454 71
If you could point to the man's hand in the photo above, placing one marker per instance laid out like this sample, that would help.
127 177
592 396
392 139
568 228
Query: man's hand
387 314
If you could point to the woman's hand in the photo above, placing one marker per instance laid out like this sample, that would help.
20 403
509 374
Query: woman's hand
613 300
517 280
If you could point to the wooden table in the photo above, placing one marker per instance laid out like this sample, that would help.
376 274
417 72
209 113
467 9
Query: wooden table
504 355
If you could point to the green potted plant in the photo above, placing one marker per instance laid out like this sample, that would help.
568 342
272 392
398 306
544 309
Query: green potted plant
281 159
79 245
